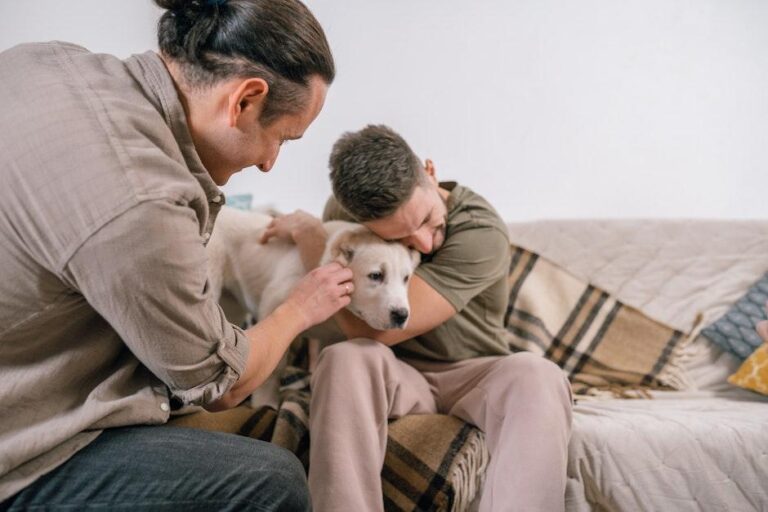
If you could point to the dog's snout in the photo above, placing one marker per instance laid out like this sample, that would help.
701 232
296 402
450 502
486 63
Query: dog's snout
398 316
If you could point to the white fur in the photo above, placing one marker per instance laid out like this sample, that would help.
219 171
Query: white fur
261 276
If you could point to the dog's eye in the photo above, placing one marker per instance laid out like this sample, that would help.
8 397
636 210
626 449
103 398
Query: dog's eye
405 279
376 276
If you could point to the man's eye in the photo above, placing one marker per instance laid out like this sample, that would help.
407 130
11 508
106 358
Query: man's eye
376 276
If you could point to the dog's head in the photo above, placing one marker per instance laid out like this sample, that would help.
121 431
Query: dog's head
382 271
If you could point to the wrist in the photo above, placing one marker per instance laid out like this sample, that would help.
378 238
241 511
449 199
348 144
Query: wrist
308 230
292 316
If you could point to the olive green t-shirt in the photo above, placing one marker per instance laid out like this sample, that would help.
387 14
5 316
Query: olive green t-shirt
470 271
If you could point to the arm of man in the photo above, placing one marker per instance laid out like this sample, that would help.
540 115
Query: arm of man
314 299
304 230
146 274
470 261
428 310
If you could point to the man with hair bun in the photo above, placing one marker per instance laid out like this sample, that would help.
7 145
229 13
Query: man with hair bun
109 188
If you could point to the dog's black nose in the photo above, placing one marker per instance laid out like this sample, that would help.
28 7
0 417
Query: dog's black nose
398 316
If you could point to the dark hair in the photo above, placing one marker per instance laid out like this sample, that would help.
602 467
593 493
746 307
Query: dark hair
373 172
279 41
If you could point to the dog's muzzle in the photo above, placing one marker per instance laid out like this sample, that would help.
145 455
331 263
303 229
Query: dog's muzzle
398 317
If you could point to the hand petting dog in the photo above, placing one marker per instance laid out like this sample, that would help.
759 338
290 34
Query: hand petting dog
321 293
292 226
302 229
326 289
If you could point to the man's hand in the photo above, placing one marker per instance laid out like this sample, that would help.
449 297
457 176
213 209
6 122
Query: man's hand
292 227
314 299
762 327
304 230
321 293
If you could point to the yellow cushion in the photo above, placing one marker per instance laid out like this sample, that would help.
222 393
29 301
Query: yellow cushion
753 373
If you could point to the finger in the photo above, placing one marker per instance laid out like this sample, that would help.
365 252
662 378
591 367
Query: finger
341 275
334 271
268 233
332 267
347 288
762 330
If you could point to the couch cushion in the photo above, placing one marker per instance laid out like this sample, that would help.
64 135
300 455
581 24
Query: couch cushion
688 451
753 374
682 273
735 331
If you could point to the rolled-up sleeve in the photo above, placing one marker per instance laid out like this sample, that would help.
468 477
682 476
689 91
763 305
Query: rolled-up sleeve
145 272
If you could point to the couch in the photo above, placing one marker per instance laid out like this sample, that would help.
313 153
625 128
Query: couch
620 305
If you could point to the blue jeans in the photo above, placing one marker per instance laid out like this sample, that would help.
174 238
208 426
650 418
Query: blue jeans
170 468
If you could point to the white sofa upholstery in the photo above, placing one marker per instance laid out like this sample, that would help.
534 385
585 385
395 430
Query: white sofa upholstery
700 449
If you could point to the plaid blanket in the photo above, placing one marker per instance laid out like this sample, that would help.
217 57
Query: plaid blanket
436 462
602 344
433 462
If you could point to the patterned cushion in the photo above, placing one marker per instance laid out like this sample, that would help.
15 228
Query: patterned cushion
753 373
735 331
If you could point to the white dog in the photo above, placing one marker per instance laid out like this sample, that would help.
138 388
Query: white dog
261 276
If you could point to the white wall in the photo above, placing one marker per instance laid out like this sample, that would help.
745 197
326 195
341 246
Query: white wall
550 108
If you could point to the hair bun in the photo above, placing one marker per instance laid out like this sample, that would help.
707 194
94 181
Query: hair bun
189 7
175 5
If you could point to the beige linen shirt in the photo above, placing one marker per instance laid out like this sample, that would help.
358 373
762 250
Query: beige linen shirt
105 208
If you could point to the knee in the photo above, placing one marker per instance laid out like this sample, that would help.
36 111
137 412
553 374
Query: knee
534 375
351 356
284 486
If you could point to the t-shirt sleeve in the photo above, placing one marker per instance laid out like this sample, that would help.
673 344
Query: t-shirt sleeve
145 273
469 261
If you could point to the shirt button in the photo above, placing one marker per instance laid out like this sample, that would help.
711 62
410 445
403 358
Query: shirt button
164 407
206 236
216 199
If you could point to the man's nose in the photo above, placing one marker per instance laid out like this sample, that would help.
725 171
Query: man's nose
422 241
267 164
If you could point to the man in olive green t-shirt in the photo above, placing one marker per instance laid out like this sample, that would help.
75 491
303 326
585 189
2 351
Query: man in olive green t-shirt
452 356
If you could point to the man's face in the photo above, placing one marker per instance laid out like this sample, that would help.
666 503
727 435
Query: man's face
419 223
228 146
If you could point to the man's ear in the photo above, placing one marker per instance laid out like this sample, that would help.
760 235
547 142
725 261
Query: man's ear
429 168
341 248
246 100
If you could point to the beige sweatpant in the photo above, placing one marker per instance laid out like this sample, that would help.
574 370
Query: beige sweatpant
522 402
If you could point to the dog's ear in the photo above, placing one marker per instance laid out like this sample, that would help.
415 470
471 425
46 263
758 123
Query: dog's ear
341 248
415 257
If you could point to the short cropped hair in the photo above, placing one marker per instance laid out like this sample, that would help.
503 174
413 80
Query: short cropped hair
373 172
